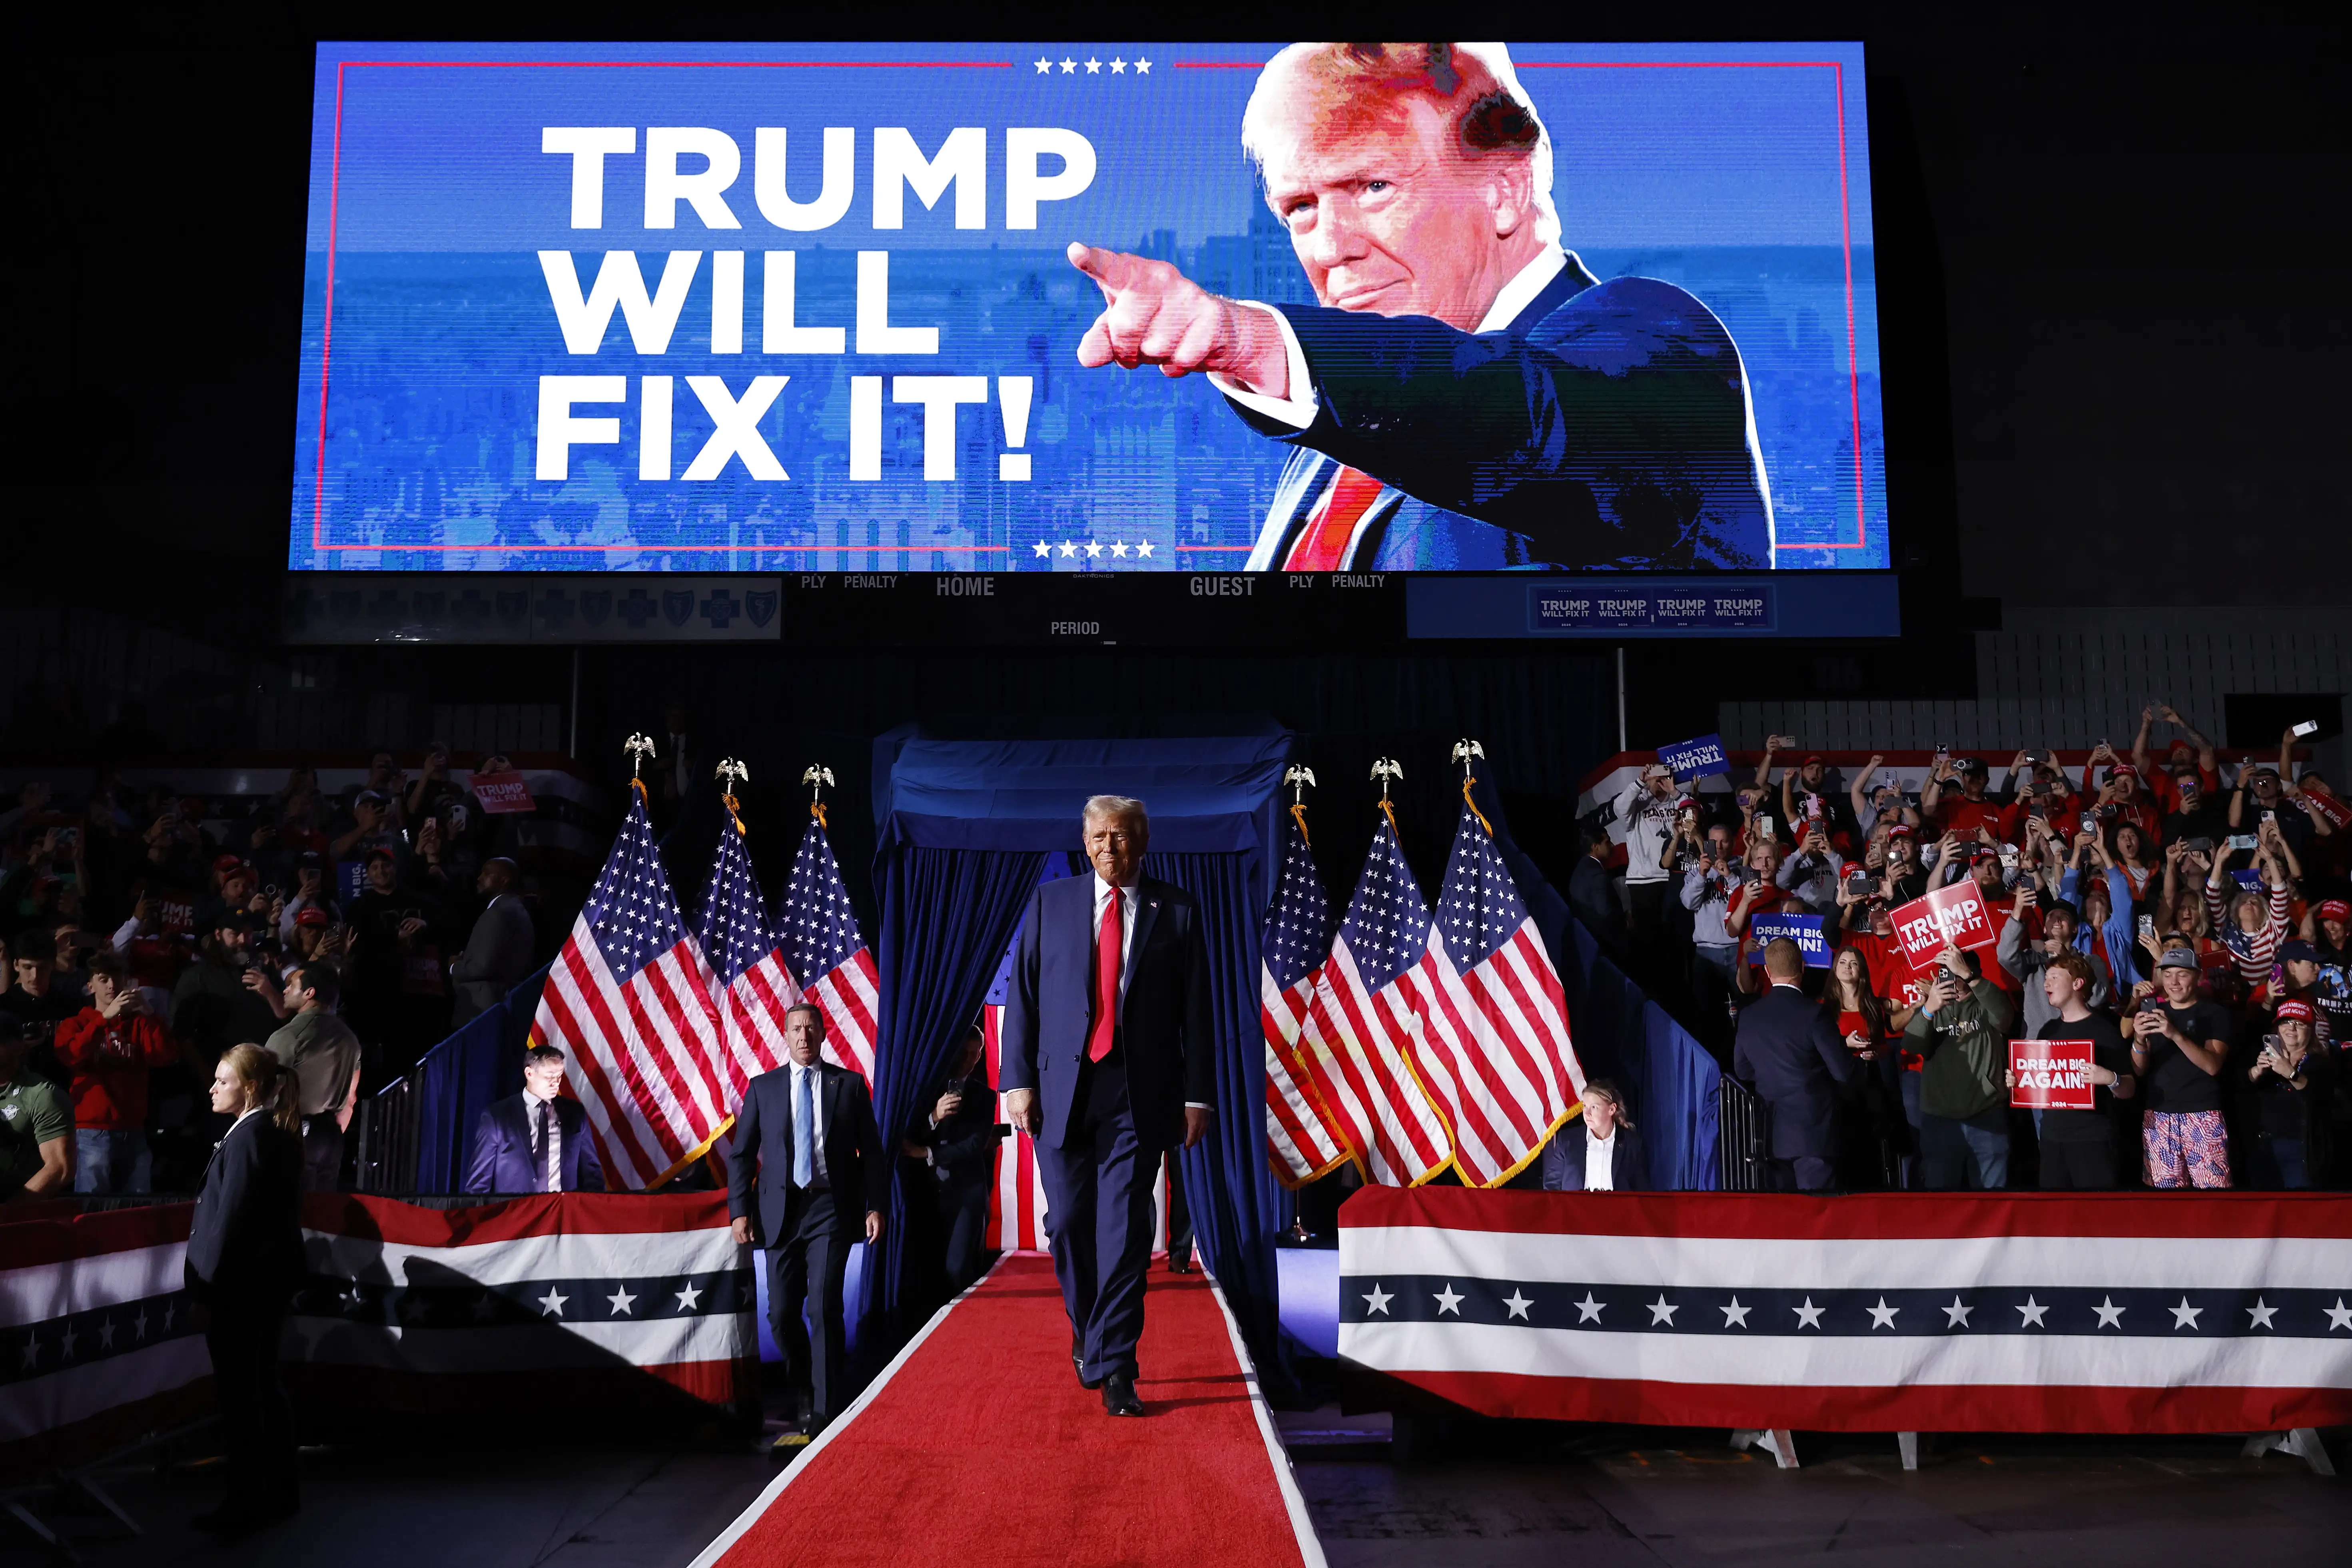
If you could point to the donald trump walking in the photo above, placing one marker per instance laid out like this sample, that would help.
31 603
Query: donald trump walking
1107 1061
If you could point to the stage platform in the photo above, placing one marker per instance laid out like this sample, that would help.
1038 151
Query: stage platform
977 1446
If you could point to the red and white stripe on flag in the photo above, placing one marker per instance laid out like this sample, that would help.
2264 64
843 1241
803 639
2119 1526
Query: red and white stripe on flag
1016 1204
1976 1313
1352 1046
751 1012
852 999
628 1000
1495 1052
1302 1140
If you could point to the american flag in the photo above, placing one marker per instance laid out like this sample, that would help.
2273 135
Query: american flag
1301 1139
628 1000
748 986
1355 1043
1493 1047
825 956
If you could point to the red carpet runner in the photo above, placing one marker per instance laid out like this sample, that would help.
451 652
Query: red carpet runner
977 1446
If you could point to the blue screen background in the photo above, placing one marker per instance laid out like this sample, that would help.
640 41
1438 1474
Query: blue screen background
1737 181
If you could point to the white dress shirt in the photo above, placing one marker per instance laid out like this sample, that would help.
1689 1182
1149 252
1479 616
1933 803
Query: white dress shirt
550 1159
1298 410
816 1116
1598 1152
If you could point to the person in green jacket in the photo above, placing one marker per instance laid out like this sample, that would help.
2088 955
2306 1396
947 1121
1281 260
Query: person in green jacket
1962 1030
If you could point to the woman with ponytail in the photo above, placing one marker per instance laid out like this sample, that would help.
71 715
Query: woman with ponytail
245 1259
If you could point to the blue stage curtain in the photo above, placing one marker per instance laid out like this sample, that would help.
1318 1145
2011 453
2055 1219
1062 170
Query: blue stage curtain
457 1079
947 917
1236 1204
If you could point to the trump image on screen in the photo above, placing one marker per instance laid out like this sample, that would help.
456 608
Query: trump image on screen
1463 395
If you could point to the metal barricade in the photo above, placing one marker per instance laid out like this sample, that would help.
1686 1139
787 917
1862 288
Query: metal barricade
1740 1132
386 1126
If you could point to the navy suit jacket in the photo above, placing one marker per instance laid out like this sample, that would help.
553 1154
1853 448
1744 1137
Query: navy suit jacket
244 1239
1790 1053
1607 427
1563 1159
760 1155
502 1160
1166 1027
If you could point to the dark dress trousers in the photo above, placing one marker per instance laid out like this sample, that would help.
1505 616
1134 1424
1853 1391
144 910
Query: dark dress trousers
1607 427
1564 1157
1789 1052
506 1157
1107 1123
243 1263
808 1231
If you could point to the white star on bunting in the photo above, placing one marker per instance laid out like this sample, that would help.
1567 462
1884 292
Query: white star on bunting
1957 1316
1518 1303
623 1302
1882 1316
1662 1312
2031 1314
1735 1315
2185 1316
553 1302
688 1296
1379 1300
1589 1310
2339 1316
2260 1314
2110 1315
1808 1316
1447 1300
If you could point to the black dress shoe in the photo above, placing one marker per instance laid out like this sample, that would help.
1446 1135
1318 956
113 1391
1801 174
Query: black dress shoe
1078 1366
1118 1396
1178 1266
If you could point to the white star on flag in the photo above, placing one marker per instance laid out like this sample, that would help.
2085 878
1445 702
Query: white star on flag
1518 1303
1735 1315
1119 68
2031 1314
2110 1315
1069 65
688 1296
1881 1316
623 1304
2260 1314
1448 1301
2185 1316
1957 1316
1661 1311
1808 1316
1093 67
1144 549
1118 548
1589 1310
1045 550
553 1302
1093 550
1379 1300
1143 67
1044 68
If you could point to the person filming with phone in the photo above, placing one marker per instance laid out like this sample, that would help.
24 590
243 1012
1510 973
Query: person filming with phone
2178 1046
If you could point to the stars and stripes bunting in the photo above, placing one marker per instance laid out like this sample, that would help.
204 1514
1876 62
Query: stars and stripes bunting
1493 1047
1358 1031
1302 1142
629 1001
827 956
749 985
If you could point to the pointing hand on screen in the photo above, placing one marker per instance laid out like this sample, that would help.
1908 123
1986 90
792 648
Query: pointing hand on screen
1153 314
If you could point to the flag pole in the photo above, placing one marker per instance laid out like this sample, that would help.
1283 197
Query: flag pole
1464 750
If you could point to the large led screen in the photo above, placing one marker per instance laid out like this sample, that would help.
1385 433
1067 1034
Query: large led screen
1089 309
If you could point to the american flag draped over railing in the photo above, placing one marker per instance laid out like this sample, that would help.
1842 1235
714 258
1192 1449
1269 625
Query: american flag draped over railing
1301 1137
750 987
1356 1039
827 956
1494 1049
629 1001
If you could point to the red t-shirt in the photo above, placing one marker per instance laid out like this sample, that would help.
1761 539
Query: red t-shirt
2167 790
1959 814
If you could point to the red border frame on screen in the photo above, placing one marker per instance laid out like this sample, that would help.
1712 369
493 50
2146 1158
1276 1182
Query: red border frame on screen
334 195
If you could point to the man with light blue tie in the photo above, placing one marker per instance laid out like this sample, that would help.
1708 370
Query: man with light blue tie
805 1160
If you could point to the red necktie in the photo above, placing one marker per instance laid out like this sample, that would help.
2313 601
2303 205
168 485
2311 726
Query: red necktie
1099 1037
1322 545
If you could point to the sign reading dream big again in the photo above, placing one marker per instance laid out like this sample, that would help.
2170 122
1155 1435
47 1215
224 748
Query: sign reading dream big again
1199 308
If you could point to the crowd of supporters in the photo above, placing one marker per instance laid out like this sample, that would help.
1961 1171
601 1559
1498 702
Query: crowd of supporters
146 933
2187 915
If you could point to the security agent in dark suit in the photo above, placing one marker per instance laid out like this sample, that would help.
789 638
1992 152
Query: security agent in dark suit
1108 1060
537 1141
806 1162
959 1148
244 1262
1569 1164
1464 395
1789 1052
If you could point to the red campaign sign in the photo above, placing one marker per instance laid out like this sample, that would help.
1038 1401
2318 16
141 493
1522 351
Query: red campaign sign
1954 913
502 792
2051 1075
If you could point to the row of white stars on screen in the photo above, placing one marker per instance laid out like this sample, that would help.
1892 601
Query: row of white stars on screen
1093 67
622 1303
1093 548
1882 1316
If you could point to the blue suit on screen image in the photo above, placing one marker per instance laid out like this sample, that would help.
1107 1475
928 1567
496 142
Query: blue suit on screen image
1607 427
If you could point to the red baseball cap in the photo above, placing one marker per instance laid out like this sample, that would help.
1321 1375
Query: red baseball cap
1902 830
2293 1008
1808 761
2335 910
227 863
313 916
